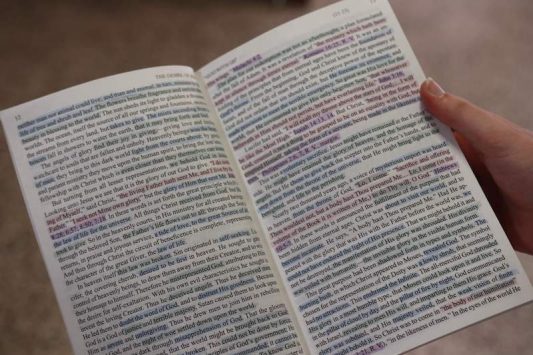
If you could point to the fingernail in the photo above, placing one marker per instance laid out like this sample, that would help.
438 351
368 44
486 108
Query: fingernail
433 88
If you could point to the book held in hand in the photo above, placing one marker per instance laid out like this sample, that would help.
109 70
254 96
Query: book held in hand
290 197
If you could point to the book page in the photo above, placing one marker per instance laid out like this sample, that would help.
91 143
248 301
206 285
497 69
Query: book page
144 229
385 238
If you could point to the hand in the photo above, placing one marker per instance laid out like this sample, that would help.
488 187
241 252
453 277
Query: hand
500 154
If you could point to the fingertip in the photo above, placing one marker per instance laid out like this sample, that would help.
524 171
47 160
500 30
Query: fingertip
433 97
493 135
431 94
430 88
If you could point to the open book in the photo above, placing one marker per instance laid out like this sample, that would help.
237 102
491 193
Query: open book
290 197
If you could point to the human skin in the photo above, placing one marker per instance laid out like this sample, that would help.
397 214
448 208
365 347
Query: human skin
500 154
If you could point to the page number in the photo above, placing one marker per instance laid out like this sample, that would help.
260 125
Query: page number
341 12
18 118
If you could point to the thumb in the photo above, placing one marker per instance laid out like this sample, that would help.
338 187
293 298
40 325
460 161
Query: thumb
490 134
